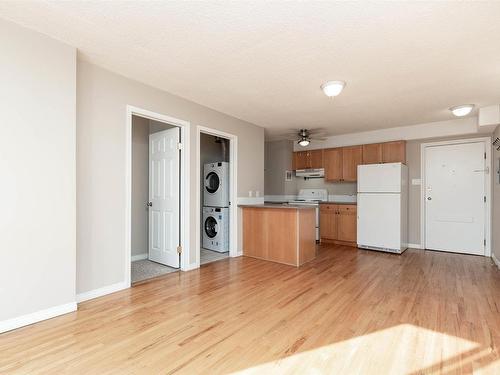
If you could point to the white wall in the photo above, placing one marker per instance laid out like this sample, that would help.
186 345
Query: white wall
140 185
101 117
37 169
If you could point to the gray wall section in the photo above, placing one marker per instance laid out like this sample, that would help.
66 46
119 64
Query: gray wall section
496 198
140 184
37 169
102 98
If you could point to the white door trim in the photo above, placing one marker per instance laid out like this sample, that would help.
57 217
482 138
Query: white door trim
233 190
184 188
487 176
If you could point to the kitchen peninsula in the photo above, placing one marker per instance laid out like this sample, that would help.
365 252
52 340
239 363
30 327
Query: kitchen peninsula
279 233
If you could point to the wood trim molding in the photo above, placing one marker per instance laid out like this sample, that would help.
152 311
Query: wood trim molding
99 292
27 319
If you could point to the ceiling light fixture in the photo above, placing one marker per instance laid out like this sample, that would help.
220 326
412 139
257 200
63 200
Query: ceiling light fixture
304 142
332 88
462 110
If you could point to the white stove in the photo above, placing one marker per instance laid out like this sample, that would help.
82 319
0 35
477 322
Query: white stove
311 197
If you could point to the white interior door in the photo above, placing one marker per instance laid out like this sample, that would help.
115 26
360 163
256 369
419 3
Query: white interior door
164 197
455 208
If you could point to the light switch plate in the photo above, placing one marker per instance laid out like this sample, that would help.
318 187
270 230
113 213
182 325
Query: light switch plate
416 181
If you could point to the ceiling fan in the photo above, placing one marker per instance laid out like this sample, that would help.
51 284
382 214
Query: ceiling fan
305 136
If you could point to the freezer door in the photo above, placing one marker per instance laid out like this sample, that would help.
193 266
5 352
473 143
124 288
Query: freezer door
380 178
379 221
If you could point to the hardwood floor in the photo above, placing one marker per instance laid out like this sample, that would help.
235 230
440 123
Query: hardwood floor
348 311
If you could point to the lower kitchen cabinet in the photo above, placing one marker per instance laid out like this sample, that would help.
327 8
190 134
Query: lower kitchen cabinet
338 224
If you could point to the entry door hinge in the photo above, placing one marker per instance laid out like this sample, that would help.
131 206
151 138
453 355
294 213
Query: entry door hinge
485 199
179 249
485 156
179 146
485 242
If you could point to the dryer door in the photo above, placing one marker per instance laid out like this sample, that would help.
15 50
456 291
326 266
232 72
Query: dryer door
211 227
212 182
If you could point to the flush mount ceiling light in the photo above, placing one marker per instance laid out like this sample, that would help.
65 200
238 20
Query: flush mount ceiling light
462 110
332 88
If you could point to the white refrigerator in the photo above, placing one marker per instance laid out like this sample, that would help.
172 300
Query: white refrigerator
383 207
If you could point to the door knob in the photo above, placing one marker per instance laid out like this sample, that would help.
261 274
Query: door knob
149 204
429 198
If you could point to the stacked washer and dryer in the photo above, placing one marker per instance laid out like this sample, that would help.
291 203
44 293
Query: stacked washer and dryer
216 207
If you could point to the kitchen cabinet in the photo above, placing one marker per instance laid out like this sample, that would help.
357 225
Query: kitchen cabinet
351 158
338 224
307 159
347 223
341 164
328 221
372 154
388 152
394 152
332 160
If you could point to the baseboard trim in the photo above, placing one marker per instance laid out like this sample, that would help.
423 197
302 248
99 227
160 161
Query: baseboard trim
25 320
91 294
495 260
414 246
142 256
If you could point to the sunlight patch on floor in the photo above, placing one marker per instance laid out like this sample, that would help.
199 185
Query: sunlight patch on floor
403 349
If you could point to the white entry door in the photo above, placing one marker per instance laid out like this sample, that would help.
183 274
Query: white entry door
164 197
455 208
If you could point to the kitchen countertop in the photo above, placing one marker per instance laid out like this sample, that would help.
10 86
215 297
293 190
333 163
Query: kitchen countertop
332 202
279 205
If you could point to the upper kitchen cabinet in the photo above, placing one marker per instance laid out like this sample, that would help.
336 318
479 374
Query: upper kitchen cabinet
389 152
351 158
341 164
394 152
307 159
372 154
332 160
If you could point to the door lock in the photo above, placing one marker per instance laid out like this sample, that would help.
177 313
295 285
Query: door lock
429 198
149 204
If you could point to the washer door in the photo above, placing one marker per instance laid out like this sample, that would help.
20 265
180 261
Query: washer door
212 182
211 227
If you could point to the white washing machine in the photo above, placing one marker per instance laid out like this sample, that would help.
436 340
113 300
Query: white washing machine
216 182
216 229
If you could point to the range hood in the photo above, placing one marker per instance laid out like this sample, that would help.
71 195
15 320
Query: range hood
310 173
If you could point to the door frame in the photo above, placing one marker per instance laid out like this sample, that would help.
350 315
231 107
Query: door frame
487 182
184 223
233 191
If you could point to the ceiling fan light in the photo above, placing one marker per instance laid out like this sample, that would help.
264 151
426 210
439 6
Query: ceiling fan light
332 88
462 110
304 142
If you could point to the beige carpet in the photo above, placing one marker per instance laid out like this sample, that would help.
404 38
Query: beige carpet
146 269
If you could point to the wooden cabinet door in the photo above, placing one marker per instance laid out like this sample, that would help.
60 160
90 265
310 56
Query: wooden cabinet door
332 160
328 221
299 160
351 158
372 154
394 152
347 223
315 159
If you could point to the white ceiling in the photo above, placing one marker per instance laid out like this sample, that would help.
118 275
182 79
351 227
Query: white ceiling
404 63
